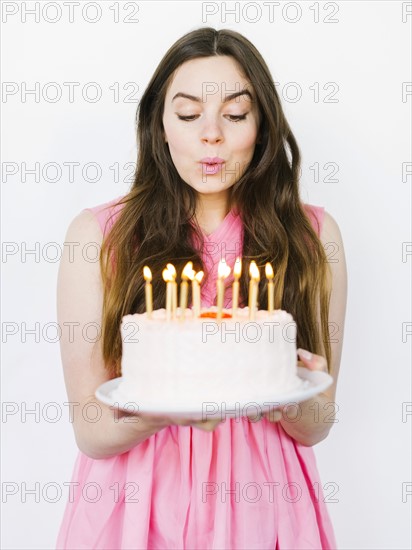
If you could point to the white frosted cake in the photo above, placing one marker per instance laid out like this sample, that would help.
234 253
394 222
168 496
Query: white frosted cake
185 363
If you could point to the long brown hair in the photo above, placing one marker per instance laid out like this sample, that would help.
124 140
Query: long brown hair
157 222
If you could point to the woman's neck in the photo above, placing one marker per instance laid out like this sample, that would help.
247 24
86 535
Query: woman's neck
211 211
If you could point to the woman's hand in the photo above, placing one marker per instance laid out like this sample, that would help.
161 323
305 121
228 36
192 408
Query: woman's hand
308 360
207 425
312 361
162 421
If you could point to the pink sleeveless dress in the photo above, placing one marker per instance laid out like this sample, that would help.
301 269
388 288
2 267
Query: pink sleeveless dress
246 485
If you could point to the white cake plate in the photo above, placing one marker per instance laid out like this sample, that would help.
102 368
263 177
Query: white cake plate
312 383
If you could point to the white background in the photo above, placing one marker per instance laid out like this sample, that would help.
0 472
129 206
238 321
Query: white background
366 133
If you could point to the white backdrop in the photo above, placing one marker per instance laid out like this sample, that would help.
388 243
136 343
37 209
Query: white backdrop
343 72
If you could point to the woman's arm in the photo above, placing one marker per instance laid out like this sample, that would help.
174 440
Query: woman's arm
79 302
314 417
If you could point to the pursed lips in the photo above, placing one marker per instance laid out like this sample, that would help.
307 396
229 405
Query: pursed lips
211 165
212 160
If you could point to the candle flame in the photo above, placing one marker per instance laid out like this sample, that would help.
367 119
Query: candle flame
269 270
172 270
167 276
199 276
237 270
147 274
254 271
188 272
223 269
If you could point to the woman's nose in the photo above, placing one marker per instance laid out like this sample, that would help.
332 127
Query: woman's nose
211 132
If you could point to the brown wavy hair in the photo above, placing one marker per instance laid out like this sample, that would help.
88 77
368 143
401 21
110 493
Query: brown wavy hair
157 221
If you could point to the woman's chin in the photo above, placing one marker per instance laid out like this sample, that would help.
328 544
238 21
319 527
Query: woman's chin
210 186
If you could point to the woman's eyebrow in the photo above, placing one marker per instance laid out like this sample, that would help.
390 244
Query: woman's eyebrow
229 97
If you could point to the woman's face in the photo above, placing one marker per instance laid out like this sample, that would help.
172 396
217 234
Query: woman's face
211 135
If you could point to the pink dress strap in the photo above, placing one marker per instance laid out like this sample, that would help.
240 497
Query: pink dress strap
107 213
316 215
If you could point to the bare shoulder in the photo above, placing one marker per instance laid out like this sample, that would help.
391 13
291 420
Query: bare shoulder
79 279
330 229
85 226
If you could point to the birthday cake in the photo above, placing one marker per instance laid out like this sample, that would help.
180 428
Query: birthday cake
187 362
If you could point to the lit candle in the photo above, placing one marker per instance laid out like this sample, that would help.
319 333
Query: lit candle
253 289
167 277
187 274
271 288
147 274
172 272
196 293
235 287
223 271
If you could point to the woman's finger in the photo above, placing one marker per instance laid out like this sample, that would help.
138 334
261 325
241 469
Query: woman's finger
312 361
274 415
207 425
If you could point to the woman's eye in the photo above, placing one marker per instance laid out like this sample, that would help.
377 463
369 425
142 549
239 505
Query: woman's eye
236 118
187 118
232 118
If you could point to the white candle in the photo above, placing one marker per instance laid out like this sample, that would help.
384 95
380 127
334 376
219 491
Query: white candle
147 274
172 271
196 293
223 272
167 277
187 274
235 287
271 288
253 289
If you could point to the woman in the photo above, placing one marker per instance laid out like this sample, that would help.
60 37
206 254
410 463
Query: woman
217 169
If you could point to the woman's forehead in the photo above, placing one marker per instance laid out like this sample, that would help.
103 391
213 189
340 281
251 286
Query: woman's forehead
211 78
